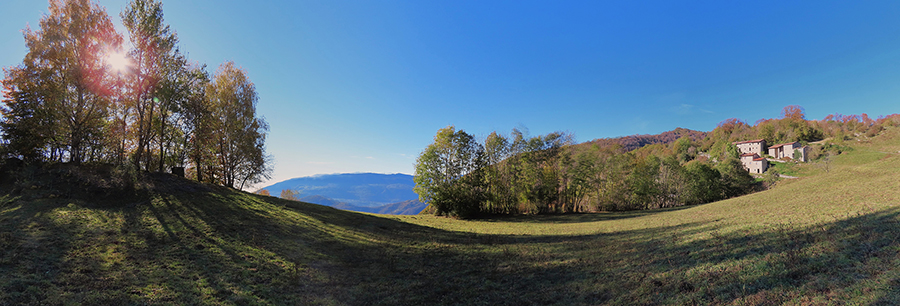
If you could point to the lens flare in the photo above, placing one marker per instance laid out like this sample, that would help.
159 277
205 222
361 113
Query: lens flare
118 61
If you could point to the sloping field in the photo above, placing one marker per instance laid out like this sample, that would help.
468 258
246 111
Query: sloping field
825 238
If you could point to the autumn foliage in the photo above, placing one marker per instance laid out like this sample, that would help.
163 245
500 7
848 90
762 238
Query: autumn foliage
521 174
67 103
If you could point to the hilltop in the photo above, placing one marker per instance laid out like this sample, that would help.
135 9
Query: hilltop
634 142
98 235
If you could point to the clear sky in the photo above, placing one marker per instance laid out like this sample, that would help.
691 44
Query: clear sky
362 86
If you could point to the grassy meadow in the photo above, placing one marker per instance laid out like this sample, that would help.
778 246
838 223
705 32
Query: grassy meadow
829 237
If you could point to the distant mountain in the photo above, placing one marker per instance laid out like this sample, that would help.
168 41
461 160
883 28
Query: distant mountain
364 192
359 189
317 199
411 207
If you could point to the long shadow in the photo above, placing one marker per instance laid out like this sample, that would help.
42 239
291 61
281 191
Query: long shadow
777 265
36 265
231 248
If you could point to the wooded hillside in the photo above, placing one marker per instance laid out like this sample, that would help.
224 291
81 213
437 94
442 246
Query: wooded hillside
519 174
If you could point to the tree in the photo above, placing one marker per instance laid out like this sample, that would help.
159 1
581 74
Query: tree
449 173
793 112
239 146
289 194
732 151
199 124
29 122
682 149
703 183
183 100
736 180
155 63
57 101
585 176
498 199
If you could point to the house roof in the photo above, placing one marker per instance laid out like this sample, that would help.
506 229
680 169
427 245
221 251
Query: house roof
759 159
748 141
783 144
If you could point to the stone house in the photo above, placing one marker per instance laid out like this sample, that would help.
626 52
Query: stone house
754 163
786 150
757 146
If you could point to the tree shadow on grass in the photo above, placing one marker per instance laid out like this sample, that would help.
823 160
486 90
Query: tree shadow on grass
359 259
47 255
220 246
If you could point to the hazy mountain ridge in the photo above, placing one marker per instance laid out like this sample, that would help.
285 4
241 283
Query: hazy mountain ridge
363 192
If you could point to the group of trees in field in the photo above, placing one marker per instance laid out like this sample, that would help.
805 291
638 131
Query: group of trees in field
68 102
458 175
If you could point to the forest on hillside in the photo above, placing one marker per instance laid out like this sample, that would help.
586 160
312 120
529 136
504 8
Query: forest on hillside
520 174
83 93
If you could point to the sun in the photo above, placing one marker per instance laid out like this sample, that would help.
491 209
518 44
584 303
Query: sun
118 61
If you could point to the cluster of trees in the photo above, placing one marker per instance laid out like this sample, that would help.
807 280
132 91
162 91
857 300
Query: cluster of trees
67 102
516 174
460 176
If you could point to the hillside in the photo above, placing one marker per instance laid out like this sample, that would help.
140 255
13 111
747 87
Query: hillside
102 236
411 207
169 240
634 142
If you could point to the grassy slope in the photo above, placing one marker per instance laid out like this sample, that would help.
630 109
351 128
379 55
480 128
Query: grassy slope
823 238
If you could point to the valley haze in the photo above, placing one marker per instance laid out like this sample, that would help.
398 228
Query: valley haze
365 192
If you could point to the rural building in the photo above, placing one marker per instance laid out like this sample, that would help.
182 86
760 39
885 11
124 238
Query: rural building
751 146
752 150
786 150
754 163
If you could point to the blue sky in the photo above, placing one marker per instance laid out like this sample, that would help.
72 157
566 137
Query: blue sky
362 86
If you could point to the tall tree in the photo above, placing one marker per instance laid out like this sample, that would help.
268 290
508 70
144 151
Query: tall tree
201 125
585 176
496 149
154 49
194 114
239 146
449 173
57 101
29 121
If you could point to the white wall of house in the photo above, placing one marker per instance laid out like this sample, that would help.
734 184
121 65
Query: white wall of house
758 166
751 147
753 163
